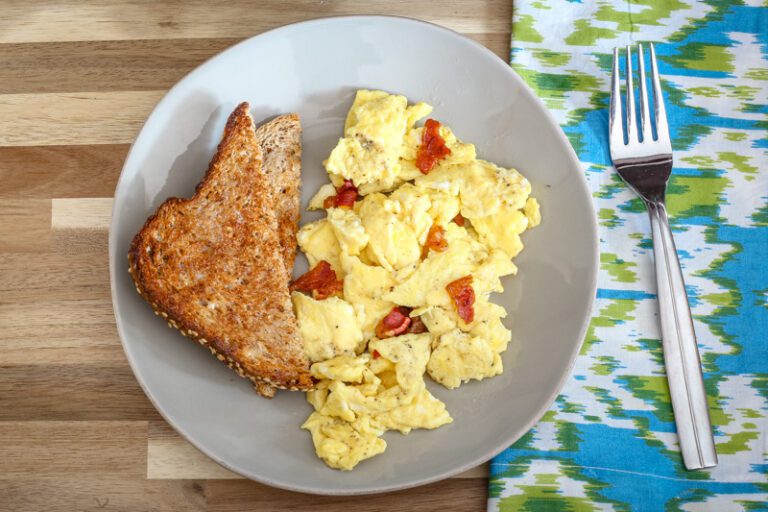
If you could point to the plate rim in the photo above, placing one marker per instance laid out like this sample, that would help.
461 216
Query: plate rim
481 458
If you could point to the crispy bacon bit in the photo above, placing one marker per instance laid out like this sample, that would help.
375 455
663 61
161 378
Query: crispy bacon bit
395 323
435 240
345 197
463 296
417 326
376 354
321 282
432 147
459 220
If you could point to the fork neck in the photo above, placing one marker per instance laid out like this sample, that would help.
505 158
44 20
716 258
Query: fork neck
651 191
656 198
647 177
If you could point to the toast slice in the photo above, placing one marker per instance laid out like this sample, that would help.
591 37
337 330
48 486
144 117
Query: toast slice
280 142
212 266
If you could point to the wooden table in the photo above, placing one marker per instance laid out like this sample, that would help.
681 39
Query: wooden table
76 83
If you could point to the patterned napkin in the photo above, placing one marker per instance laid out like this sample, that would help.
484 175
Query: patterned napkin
609 441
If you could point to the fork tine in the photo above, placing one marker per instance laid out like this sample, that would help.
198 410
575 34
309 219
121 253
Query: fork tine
644 111
631 125
615 131
662 129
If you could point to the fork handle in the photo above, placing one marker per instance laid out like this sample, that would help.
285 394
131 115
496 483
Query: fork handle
681 354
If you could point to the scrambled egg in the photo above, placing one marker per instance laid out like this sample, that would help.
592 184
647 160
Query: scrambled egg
458 357
357 399
364 287
329 327
380 249
318 242
426 285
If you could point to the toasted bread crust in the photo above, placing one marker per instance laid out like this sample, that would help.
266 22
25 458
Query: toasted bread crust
280 142
265 390
212 266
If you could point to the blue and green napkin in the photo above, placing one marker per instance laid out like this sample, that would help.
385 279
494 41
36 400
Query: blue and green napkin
609 441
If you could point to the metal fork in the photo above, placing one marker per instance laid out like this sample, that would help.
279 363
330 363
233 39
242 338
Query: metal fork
645 164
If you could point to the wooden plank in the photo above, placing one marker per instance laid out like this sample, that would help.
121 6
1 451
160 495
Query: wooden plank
74 118
25 226
19 318
51 449
72 392
38 277
59 341
174 495
64 345
453 495
36 172
79 241
170 456
47 311
80 225
101 493
22 21
139 65
81 213
178 459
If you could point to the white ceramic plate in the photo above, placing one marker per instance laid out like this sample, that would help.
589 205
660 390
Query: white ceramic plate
314 68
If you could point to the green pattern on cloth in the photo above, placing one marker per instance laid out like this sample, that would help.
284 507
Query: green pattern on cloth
609 442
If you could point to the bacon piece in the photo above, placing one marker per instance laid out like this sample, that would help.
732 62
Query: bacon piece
459 220
436 239
463 296
417 326
432 147
345 197
395 323
321 282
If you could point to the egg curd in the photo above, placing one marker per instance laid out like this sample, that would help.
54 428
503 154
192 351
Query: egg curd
418 246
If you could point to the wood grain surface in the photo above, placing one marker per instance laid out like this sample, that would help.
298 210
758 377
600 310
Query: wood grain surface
77 80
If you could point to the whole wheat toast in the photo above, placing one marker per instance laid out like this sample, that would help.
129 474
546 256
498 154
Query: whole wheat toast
212 265
280 142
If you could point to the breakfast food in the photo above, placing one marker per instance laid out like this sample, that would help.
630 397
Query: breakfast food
417 234
280 143
213 265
